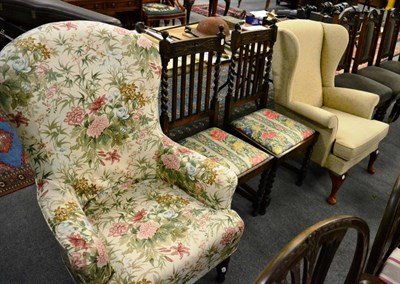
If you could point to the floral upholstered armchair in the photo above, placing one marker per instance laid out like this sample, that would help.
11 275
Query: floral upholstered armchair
126 203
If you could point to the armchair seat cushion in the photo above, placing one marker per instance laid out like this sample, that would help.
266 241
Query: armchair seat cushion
156 9
358 82
276 132
383 76
355 135
391 65
226 149
152 231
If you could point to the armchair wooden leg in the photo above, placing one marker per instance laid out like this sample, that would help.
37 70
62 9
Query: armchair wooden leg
269 181
372 158
395 113
222 268
337 181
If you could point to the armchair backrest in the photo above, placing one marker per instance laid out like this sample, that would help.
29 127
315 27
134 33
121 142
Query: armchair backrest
83 98
305 60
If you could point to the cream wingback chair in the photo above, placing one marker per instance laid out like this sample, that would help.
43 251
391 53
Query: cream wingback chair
126 203
305 59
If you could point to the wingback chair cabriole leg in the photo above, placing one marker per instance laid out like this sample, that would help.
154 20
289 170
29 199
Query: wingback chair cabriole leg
337 181
372 158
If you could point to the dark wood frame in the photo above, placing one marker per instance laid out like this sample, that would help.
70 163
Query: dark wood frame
316 246
248 81
172 51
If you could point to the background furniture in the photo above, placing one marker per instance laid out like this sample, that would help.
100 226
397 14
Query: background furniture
155 11
307 258
125 202
341 116
190 106
353 19
18 16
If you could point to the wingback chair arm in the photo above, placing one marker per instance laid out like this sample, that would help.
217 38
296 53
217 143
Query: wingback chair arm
315 114
201 177
87 255
352 101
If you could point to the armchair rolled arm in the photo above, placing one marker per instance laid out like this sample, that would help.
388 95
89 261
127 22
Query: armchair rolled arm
315 114
201 177
87 255
352 101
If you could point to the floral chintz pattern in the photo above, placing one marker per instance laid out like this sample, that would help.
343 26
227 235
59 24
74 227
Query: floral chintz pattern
276 132
126 203
226 149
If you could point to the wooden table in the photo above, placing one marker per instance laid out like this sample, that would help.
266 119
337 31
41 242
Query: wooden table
108 7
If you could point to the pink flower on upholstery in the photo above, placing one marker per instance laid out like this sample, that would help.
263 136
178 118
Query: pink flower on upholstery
102 259
218 135
75 116
156 69
121 31
77 241
170 161
184 150
228 236
139 215
109 156
144 42
97 104
240 225
307 133
180 250
52 91
118 229
98 125
257 159
168 142
41 69
268 135
147 230
271 114
77 260
69 26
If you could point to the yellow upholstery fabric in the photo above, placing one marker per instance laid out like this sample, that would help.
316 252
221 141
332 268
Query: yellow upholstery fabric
306 55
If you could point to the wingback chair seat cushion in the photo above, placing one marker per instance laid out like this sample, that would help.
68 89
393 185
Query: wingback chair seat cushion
303 74
226 149
276 132
157 9
355 135
391 65
126 203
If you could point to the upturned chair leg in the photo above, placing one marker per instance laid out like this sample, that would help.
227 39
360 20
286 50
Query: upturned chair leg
372 158
337 181
222 268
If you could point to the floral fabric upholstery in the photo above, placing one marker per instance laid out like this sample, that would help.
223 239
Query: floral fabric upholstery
126 203
159 9
226 149
274 131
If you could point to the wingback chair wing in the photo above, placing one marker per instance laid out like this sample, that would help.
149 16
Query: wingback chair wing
125 203
303 76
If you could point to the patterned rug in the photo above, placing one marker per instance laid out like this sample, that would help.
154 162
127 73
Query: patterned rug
202 9
15 172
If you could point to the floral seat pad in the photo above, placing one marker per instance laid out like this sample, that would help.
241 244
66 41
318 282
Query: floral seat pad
274 131
159 9
226 149
153 231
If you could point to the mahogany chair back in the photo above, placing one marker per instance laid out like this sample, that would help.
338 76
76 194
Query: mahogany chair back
389 36
191 73
368 39
307 257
